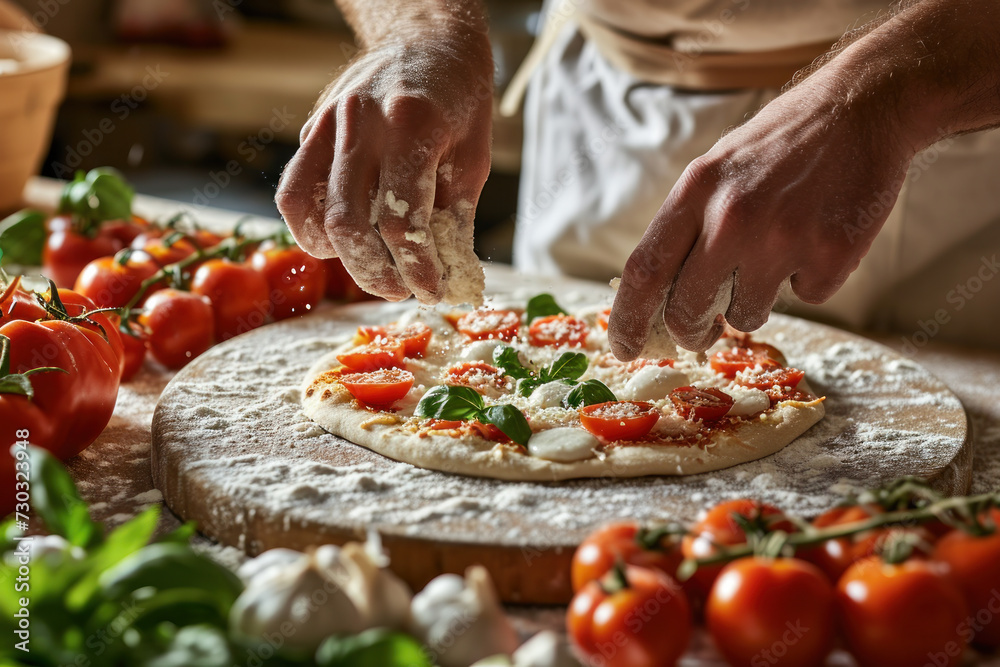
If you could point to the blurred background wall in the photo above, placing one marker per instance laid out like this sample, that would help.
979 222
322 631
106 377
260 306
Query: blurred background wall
202 100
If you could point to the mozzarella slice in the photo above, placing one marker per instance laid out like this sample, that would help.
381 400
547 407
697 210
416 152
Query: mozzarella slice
480 350
746 401
563 444
549 395
652 383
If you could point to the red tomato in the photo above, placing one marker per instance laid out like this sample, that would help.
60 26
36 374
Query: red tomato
602 318
558 330
111 284
639 363
772 612
477 375
66 252
718 527
489 324
373 356
490 432
380 388
135 354
619 420
701 404
773 377
69 409
975 567
902 615
622 542
644 620
296 279
239 296
415 337
180 324
833 557
730 362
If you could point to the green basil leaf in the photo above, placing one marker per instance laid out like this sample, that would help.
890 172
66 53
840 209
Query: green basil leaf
506 359
22 237
194 646
58 503
168 567
102 194
372 648
508 419
569 366
543 305
447 402
527 386
587 393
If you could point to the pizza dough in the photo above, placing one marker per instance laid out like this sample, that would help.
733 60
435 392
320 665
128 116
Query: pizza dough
559 448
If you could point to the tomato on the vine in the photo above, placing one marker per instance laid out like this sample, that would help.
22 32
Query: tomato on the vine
619 420
239 296
112 282
633 617
720 527
974 563
772 610
379 388
833 557
67 251
489 324
180 325
134 350
296 280
624 542
697 404
901 615
558 330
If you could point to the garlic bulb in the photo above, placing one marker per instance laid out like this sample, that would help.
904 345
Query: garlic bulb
295 604
546 649
297 600
461 621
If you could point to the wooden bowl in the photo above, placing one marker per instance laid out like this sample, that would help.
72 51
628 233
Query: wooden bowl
31 89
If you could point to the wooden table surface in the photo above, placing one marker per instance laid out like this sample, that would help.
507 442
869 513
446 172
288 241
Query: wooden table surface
115 479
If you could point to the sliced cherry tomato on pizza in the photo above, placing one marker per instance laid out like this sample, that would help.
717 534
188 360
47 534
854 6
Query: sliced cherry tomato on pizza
783 379
902 615
720 527
772 611
974 561
373 356
478 375
379 388
628 543
557 331
490 432
602 318
489 324
619 420
735 359
415 337
634 617
701 404
639 363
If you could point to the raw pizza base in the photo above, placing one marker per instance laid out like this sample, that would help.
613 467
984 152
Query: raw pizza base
331 407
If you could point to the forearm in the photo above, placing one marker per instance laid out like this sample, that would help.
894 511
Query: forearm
382 22
933 68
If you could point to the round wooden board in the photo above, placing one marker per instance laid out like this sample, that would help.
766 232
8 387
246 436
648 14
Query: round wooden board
232 452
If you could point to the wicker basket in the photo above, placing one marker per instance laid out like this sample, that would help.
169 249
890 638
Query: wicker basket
29 97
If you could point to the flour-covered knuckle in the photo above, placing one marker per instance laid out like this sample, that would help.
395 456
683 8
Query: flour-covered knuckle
366 258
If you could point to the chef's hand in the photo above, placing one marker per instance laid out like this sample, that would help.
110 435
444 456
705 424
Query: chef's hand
405 129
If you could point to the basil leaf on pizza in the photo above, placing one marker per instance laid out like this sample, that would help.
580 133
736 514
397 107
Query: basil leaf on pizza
569 366
542 305
506 359
449 402
587 393
508 419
